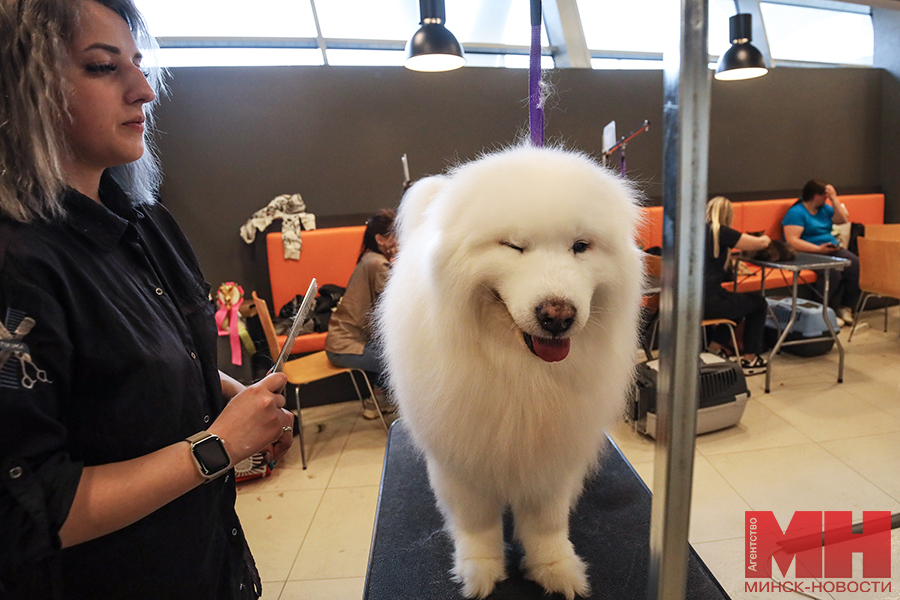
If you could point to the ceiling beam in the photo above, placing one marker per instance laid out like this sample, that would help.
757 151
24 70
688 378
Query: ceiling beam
564 31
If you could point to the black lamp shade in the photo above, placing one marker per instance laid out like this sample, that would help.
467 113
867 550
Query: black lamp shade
433 47
743 60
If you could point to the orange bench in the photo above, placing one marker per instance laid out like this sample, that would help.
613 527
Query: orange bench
328 254
766 216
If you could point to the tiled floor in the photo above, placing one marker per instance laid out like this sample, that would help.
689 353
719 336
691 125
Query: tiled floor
811 444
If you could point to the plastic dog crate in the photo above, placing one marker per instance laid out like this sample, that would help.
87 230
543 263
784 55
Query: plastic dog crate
809 324
722 388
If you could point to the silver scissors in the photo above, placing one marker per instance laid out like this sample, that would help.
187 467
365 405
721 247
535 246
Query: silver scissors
305 307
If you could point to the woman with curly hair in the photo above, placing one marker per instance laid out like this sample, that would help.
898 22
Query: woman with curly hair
112 411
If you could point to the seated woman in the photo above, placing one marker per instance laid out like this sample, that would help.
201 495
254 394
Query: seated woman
807 227
349 341
718 303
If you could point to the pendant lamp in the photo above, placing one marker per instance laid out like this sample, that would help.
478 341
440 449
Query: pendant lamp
743 60
433 47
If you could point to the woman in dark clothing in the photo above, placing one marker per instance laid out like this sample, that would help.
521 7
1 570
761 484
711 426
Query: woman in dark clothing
112 411
719 303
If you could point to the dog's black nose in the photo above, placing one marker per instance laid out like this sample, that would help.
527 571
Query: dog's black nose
555 316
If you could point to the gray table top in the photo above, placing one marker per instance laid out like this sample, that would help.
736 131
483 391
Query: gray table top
805 261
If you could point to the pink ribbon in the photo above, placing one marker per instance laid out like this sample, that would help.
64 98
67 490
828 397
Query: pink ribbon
228 309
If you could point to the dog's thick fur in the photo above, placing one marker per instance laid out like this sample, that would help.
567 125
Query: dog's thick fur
484 251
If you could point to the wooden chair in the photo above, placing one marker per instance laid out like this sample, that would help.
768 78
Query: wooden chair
879 274
328 254
730 325
879 231
307 369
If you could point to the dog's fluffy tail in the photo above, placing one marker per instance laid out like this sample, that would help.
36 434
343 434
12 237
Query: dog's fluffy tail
414 205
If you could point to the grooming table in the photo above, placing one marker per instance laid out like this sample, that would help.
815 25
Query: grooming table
411 555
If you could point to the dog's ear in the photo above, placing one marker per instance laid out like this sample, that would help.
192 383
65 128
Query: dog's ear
415 204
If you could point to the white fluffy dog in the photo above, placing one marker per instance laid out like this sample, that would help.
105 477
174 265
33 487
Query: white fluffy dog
509 329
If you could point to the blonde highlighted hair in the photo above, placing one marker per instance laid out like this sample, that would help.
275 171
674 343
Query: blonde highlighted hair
34 47
719 212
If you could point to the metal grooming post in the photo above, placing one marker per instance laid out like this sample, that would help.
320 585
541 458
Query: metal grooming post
685 157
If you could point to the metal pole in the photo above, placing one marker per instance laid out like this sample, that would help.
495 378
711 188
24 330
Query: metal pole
685 158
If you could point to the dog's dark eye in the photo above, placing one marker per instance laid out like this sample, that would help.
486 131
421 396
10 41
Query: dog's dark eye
513 246
580 246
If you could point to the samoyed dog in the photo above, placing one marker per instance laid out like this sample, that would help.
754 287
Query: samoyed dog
509 327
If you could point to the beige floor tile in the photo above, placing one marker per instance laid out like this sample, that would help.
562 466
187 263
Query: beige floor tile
276 524
804 477
350 588
717 511
831 415
645 470
725 558
337 544
634 446
883 394
363 457
874 457
758 428
881 593
272 590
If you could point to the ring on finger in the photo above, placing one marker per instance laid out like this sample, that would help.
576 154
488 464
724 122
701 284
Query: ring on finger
287 428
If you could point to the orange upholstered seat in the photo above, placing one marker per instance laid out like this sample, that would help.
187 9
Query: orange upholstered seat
329 255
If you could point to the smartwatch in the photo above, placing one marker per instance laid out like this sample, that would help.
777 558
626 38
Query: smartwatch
210 455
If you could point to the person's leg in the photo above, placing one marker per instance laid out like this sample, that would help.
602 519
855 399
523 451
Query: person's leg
754 307
850 276
717 306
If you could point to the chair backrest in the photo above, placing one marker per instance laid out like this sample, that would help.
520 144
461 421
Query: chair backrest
879 266
328 254
265 318
880 231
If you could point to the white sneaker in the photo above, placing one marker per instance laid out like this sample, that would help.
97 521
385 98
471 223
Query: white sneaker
846 314
369 411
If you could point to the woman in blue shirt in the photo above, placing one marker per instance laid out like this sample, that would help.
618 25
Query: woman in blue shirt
807 227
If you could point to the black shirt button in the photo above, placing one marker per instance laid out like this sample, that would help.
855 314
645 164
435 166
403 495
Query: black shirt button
227 477
206 418
15 472
234 531
159 292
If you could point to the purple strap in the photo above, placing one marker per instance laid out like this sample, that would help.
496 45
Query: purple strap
536 111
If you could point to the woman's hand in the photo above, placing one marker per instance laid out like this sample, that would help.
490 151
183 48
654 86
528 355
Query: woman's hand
255 418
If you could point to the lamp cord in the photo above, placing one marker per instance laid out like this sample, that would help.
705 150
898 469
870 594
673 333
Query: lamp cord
536 109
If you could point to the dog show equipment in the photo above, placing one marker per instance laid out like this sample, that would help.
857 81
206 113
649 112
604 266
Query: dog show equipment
809 329
723 395
620 145
610 523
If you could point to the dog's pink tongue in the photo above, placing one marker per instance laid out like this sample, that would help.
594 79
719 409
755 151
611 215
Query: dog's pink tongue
551 349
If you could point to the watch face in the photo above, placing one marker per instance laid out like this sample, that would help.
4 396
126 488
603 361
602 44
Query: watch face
211 455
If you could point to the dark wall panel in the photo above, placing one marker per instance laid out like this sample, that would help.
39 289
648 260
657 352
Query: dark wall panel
886 23
234 138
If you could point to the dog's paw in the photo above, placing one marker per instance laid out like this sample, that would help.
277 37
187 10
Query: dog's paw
567 575
478 575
